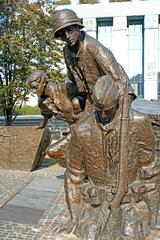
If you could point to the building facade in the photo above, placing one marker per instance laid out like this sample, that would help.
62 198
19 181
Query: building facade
131 30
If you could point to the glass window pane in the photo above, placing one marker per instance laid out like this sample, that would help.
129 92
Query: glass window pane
135 56
104 32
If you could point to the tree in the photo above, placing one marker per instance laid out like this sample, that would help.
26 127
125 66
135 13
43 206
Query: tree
63 2
119 1
26 44
88 1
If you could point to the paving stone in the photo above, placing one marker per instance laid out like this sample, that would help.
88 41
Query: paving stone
17 220
33 198
23 215
50 185
56 211
29 204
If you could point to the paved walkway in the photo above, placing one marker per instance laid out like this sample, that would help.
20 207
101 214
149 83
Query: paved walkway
32 205
30 202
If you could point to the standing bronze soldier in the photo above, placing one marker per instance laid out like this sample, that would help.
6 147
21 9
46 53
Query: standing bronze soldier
86 59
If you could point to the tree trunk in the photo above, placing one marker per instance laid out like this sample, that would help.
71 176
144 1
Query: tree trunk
8 117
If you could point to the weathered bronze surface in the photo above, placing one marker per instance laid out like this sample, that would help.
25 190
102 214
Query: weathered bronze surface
86 59
106 200
112 185
22 147
59 100
58 149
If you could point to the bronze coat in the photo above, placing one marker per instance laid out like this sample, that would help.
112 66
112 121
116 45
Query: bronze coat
92 61
94 150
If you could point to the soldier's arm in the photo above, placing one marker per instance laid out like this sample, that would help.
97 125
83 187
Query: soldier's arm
146 142
45 111
147 150
108 63
43 123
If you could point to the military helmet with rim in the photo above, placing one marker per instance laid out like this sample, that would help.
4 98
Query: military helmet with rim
65 18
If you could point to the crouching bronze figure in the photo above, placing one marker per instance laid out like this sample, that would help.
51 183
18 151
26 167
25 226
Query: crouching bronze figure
112 176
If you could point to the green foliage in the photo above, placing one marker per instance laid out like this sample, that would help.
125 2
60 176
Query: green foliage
62 2
88 1
26 44
119 0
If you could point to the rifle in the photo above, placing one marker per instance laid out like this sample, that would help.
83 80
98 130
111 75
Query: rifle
122 183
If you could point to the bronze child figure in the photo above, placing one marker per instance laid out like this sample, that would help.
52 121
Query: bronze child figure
55 99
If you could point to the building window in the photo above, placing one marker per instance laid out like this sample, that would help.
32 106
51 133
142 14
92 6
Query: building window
136 54
158 73
104 31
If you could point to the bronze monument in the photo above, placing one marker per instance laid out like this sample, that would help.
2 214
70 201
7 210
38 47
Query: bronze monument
112 178
112 173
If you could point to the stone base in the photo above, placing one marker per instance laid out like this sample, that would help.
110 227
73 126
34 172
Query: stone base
66 237
154 235
22 147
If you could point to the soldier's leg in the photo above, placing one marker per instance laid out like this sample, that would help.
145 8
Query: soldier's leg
73 182
153 201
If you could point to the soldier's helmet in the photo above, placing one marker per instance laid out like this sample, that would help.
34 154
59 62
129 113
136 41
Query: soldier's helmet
65 18
105 93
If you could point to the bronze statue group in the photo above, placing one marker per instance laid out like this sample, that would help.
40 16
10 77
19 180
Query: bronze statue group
112 166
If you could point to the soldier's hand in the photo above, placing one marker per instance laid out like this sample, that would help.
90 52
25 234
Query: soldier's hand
41 126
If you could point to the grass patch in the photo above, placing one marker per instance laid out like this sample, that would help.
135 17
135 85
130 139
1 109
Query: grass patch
28 110
48 162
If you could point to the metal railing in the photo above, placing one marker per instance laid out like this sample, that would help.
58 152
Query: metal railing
25 120
57 127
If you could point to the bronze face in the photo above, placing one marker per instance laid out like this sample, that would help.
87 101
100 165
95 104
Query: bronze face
38 86
105 116
65 18
37 82
70 34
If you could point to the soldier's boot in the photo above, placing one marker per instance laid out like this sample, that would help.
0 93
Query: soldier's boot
153 201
